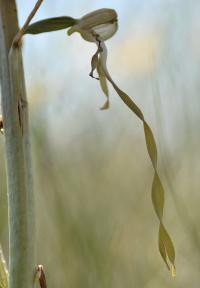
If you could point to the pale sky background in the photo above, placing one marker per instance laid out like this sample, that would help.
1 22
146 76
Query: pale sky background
154 57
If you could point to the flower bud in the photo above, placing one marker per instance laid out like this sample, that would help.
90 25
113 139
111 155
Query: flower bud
98 25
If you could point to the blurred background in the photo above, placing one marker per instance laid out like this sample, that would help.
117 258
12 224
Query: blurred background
95 222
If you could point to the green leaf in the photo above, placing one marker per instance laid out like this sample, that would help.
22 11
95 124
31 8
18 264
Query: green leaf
3 271
51 24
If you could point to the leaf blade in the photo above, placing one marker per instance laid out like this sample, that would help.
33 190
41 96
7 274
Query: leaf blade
50 25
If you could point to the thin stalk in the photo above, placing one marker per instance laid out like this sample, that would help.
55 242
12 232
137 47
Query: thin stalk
19 35
22 259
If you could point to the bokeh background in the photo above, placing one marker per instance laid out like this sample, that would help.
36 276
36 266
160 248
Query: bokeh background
95 223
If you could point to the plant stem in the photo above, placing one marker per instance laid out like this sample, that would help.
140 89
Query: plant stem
18 157
16 41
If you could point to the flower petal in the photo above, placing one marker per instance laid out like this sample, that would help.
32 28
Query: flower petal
100 24
166 246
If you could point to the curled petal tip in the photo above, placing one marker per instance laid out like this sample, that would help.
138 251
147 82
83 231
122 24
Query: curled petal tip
106 106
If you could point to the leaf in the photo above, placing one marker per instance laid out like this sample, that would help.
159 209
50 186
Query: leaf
3 271
50 24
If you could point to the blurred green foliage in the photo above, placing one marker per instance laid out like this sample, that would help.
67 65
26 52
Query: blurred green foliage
96 225
3 271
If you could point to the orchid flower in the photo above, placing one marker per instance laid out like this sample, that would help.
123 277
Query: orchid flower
97 27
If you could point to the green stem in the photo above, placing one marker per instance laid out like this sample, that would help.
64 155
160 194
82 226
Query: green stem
22 259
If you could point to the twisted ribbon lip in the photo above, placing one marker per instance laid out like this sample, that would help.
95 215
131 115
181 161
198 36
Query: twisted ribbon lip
166 246
92 28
